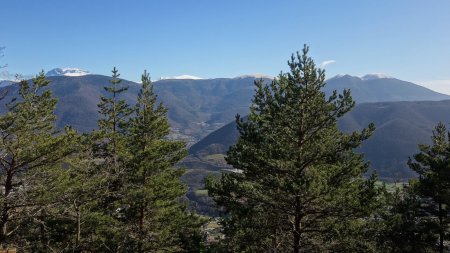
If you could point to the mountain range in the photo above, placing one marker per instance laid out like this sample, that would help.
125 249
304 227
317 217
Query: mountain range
200 112
381 88
199 107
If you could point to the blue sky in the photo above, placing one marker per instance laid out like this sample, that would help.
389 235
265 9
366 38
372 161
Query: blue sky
406 39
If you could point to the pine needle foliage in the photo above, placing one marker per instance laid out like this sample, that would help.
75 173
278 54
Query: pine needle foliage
30 146
300 180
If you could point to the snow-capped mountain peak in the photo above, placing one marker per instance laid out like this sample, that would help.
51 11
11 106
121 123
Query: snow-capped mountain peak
375 76
180 77
67 72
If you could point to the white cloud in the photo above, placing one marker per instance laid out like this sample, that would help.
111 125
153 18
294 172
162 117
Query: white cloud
442 86
325 63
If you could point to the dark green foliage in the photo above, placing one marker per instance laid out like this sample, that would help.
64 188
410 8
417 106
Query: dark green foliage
298 188
114 111
79 192
30 149
155 219
110 156
118 192
300 179
401 127
432 165
403 225
416 216
113 123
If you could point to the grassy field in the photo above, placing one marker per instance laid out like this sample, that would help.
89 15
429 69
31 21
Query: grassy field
391 187
201 193
215 157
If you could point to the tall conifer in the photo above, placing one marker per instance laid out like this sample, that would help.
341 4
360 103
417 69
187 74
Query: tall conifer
155 217
432 164
110 155
299 180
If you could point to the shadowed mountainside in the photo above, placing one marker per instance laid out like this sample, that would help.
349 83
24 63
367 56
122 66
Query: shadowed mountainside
400 127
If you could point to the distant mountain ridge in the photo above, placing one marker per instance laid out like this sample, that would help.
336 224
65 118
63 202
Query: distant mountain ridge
181 77
199 107
400 128
381 88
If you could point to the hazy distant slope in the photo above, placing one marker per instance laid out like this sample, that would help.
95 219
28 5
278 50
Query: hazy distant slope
383 89
196 107
401 126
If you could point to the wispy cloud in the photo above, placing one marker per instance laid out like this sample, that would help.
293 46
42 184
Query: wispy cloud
325 63
442 86
6 75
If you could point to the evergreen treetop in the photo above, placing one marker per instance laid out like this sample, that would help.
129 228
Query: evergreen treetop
432 164
299 175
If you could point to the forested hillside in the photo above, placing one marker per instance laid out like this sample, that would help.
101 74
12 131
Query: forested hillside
199 107
400 128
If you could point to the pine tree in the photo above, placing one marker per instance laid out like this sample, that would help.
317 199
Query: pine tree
75 218
31 148
110 155
155 219
111 137
300 182
113 124
432 165
402 227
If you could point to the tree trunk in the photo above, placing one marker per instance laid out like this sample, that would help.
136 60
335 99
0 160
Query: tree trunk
5 212
142 214
78 227
141 219
441 230
297 225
